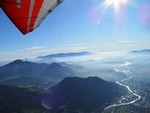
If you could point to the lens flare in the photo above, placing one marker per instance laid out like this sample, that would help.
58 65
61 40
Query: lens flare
144 14
115 3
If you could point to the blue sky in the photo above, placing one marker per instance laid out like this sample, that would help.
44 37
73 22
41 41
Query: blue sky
79 25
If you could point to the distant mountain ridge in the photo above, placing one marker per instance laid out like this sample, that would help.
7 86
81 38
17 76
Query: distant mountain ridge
81 94
57 71
22 68
141 51
59 55
19 68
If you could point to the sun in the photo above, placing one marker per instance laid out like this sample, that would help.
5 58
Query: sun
116 3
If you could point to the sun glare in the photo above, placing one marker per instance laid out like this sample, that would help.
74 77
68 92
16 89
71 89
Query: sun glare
116 3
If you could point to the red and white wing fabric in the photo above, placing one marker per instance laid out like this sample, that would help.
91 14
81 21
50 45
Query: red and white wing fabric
28 14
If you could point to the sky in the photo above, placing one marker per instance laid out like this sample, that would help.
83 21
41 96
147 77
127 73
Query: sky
81 25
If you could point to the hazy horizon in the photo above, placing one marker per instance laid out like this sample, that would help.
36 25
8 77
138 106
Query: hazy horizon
94 26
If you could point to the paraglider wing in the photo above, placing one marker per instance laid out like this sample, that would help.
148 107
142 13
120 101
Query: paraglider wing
28 14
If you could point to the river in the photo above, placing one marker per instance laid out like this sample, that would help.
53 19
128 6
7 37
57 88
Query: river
130 90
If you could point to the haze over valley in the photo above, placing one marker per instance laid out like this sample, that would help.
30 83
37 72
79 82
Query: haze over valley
118 84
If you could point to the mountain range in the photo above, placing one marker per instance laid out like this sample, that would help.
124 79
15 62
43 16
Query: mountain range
28 72
59 55
144 51
69 94
74 94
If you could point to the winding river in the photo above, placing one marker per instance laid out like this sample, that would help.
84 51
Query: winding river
130 90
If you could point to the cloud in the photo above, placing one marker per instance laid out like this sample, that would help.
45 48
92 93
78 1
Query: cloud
35 48
127 41
99 51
